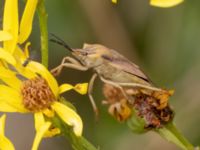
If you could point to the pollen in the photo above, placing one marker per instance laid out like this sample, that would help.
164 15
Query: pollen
37 94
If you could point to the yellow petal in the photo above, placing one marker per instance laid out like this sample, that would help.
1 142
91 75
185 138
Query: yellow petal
2 124
27 19
25 72
9 77
52 132
4 107
81 88
41 70
4 36
6 73
1 64
12 98
65 87
7 56
19 55
114 1
5 143
10 23
47 112
26 51
165 3
22 59
40 121
40 134
69 116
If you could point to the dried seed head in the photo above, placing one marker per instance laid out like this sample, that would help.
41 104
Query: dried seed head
120 110
150 105
119 107
112 94
153 107
37 94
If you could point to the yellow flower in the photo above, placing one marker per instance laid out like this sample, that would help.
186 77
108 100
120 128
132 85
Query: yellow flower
165 3
5 143
114 1
12 33
161 3
15 32
27 86
32 89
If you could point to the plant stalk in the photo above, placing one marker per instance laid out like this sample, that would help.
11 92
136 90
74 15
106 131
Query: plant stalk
43 31
171 133
78 143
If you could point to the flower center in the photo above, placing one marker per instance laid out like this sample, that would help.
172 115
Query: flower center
37 94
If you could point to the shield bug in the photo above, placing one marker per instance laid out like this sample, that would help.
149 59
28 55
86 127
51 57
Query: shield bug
110 66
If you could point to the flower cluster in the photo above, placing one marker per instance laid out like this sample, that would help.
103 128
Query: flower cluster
27 86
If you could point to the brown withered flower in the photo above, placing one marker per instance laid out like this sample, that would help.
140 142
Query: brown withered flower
151 106
119 106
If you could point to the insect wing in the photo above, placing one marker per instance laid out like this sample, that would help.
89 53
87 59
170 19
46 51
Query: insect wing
120 62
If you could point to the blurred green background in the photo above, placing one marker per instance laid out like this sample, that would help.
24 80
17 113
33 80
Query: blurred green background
165 43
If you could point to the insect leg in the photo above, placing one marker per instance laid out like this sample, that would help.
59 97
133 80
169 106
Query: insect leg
70 59
120 85
125 94
114 84
90 88
72 63
140 85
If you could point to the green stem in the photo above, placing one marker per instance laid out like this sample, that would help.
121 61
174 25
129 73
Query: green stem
43 32
171 133
78 143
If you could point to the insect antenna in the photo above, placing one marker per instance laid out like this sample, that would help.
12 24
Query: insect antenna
59 41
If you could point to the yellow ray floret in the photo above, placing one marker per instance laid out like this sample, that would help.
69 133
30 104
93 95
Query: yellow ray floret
9 77
5 143
7 56
5 35
19 33
66 113
41 128
80 88
10 23
27 19
11 98
165 3
40 134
